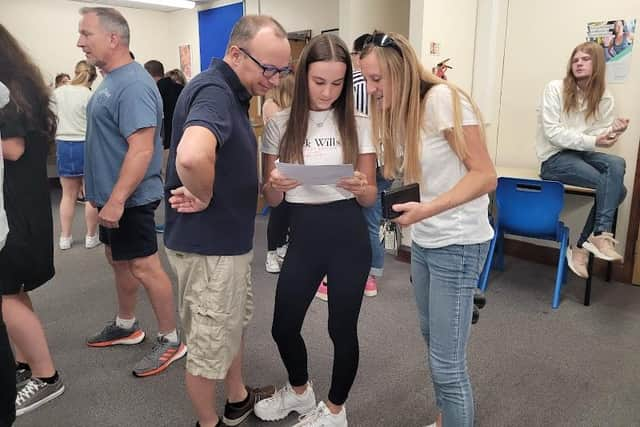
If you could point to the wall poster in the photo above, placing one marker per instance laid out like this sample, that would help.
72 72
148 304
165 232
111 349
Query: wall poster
616 37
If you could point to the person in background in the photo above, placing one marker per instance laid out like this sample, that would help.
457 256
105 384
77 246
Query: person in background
177 76
372 214
276 100
359 83
432 132
7 363
70 104
61 80
575 118
27 126
169 91
212 189
123 155
328 232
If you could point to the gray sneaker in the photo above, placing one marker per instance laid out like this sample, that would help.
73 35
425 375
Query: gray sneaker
36 393
22 376
163 354
115 335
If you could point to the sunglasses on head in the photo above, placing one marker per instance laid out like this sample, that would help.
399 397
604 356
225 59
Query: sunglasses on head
383 40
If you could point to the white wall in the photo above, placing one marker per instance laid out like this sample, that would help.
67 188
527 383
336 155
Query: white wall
451 24
363 16
183 29
538 44
303 14
48 30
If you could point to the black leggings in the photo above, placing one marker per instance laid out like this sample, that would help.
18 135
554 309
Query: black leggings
278 226
7 378
329 239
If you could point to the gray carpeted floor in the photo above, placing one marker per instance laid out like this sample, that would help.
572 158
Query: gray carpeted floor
530 365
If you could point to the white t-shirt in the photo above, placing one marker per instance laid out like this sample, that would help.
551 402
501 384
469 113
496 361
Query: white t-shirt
4 225
441 170
322 147
70 105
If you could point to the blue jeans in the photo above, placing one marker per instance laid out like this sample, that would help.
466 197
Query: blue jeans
602 172
444 280
372 216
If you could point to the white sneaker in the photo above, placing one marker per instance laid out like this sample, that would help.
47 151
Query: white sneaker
285 401
272 264
91 242
322 417
65 242
282 251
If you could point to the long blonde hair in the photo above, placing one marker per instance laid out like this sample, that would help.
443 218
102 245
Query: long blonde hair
85 74
282 94
594 88
398 128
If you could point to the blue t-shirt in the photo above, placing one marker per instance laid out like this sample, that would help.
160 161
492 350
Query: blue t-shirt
217 100
126 101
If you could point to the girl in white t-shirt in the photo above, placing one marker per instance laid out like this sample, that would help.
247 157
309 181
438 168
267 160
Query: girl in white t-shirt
328 233
70 104
439 130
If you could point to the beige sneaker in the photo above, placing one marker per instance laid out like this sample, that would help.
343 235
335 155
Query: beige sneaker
578 258
603 247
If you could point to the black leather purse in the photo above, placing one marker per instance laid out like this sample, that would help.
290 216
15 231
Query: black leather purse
404 194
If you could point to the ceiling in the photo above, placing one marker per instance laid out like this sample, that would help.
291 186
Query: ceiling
136 5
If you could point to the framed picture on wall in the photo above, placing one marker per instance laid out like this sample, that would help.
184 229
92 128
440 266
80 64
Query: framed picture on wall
185 59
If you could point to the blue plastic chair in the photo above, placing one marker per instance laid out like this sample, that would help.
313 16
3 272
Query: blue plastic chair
530 208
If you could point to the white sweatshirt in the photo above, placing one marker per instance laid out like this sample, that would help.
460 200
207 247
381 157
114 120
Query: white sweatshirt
70 105
559 131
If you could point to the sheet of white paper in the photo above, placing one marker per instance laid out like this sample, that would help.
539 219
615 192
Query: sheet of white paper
315 174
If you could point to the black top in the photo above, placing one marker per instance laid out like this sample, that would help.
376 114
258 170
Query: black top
217 100
169 91
27 257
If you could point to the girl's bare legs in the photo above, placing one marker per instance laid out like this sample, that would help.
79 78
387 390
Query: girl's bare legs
70 188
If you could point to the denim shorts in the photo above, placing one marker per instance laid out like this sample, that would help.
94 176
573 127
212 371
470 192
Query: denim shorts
70 158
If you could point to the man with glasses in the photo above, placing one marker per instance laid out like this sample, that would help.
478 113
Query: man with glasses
211 190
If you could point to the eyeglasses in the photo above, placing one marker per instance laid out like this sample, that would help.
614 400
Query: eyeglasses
383 40
268 70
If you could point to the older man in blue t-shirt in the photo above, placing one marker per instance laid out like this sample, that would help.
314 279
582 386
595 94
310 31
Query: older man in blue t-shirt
123 155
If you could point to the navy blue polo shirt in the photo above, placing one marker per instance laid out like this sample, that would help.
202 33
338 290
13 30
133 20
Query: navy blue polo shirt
216 100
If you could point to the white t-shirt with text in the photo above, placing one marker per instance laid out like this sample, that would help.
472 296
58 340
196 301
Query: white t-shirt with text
322 146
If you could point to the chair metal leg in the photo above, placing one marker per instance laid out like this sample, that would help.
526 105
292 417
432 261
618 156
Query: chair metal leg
613 231
560 272
587 289
500 250
483 282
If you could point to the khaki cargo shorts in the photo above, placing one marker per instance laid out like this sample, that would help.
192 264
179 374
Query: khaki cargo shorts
215 302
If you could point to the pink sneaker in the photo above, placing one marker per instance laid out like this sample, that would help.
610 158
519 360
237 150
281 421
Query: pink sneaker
322 291
371 288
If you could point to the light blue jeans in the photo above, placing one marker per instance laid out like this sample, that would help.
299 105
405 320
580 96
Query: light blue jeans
372 216
444 280
603 172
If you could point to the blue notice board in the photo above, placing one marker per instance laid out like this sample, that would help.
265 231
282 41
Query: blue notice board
215 27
